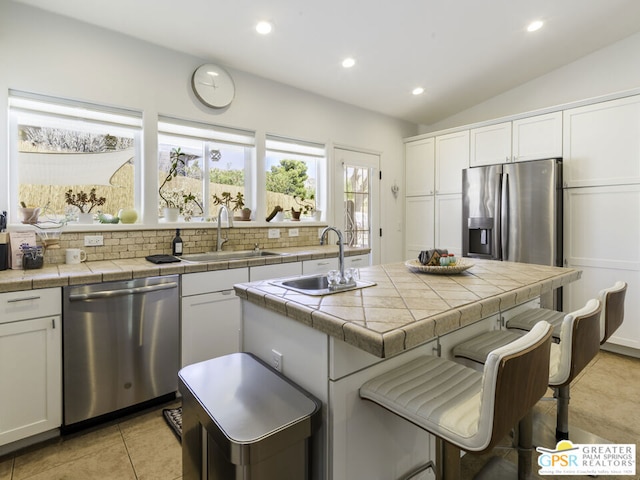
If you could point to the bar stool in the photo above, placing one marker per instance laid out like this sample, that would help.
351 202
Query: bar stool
579 344
466 409
612 300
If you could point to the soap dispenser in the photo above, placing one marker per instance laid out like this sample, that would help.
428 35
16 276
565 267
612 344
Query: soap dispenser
176 248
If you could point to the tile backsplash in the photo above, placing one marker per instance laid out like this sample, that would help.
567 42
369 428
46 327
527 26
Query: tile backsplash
140 243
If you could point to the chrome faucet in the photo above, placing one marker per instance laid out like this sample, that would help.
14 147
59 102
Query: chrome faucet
340 250
221 240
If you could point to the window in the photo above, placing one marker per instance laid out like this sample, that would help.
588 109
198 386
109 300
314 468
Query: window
295 176
62 152
214 168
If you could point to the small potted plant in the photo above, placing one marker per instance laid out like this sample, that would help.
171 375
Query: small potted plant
232 203
246 213
306 206
171 208
85 202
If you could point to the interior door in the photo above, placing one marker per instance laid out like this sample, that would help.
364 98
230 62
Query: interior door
357 197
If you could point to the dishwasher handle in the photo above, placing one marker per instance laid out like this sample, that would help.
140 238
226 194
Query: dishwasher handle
121 292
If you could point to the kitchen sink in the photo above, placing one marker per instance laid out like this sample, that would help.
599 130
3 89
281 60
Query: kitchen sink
318 285
229 255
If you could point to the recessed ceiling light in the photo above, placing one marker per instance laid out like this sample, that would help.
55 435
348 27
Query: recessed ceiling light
418 91
348 62
264 28
533 26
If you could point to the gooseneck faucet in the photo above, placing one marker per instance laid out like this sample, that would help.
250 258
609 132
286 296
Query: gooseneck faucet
340 250
221 240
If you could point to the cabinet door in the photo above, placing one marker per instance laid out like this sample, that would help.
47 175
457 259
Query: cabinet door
452 156
277 270
537 137
491 144
602 238
419 167
448 224
419 225
210 326
30 378
213 281
601 144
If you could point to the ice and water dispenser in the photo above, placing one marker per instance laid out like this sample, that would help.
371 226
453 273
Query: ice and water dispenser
478 237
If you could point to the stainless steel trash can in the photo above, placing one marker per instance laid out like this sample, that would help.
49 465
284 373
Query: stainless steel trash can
243 420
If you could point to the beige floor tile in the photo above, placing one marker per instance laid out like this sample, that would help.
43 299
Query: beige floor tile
6 469
110 463
66 450
155 451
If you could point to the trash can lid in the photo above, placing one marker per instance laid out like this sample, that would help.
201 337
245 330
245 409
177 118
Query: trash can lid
247 400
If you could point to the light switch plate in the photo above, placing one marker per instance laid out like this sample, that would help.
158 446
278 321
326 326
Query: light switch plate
93 240
274 233
293 232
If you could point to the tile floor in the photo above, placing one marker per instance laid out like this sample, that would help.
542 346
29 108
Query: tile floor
142 447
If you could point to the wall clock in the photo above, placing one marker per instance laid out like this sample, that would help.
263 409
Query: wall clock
213 85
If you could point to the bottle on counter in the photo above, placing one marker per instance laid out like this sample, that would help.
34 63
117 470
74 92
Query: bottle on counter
176 248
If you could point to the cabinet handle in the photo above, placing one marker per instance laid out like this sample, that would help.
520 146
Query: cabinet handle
23 299
321 264
53 323
356 260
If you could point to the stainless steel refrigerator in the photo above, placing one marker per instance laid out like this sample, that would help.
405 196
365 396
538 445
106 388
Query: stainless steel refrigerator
513 212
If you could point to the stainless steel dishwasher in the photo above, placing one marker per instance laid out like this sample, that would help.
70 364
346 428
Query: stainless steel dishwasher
121 346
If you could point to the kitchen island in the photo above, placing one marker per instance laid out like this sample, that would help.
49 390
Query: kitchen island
332 344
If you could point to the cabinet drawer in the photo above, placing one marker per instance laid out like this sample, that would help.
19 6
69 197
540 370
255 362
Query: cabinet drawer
310 267
206 282
30 304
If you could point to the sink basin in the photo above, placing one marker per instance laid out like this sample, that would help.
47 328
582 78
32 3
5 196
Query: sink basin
226 256
318 285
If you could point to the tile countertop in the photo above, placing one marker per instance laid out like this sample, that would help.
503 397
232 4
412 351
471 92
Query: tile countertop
406 309
126 269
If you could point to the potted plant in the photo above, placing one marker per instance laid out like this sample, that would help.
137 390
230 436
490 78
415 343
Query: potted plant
232 203
246 213
306 206
85 202
171 208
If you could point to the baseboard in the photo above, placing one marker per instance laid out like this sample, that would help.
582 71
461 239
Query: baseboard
622 350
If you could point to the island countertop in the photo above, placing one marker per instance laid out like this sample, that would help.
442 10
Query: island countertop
406 309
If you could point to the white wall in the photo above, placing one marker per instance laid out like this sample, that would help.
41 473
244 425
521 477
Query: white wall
53 55
612 69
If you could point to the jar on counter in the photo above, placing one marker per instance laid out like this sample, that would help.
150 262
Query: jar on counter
444 260
452 259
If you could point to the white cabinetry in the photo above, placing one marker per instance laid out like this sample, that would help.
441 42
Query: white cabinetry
451 157
434 213
419 167
211 314
537 137
601 144
602 238
30 363
357 261
419 225
277 270
323 265
491 144
531 138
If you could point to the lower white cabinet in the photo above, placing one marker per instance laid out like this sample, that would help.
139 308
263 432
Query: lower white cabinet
419 225
323 265
277 270
210 323
30 363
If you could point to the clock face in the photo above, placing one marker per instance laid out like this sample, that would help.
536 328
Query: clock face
213 85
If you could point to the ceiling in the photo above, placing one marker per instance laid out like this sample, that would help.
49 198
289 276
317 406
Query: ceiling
461 52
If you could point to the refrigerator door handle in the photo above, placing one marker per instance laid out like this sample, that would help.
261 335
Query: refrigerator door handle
497 221
504 217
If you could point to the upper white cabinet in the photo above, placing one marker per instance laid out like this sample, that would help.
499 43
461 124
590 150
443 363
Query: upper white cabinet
601 143
537 137
490 144
530 138
419 167
451 157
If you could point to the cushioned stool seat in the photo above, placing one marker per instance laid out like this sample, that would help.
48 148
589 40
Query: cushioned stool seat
528 318
467 409
579 344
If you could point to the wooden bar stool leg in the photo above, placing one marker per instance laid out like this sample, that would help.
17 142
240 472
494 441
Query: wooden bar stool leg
525 446
562 413
448 461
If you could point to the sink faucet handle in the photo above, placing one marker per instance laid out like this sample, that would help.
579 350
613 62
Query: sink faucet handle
256 247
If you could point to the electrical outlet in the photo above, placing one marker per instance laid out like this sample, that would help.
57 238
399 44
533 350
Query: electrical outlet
293 232
93 240
274 233
276 360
